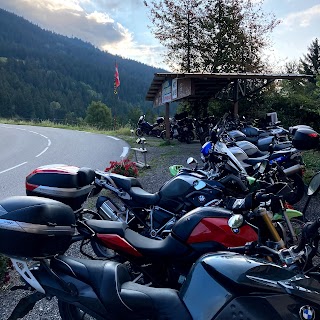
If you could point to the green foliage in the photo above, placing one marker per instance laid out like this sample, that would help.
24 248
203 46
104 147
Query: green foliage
312 160
211 35
99 115
44 75
310 63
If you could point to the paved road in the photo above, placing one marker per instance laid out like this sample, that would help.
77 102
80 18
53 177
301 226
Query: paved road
24 148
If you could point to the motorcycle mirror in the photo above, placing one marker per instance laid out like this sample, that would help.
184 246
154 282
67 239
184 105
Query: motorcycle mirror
314 184
236 221
191 160
198 185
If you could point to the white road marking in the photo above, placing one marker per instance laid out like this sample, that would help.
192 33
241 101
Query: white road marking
124 152
38 155
114 138
43 151
18 165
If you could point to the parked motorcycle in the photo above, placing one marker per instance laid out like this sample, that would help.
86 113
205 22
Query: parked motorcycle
145 128
182 128
218 286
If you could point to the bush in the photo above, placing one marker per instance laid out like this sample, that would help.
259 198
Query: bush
124 167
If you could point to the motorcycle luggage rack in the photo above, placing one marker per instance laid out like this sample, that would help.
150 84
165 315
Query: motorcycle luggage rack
143 151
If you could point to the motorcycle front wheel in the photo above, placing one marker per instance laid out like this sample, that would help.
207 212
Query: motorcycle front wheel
139 132
298 187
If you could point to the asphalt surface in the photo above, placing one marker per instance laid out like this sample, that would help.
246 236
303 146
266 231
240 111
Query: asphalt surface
25 148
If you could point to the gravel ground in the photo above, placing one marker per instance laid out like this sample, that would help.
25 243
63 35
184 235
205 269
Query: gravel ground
159 158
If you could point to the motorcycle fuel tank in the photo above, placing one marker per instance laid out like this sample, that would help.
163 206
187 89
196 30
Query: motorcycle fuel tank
180 191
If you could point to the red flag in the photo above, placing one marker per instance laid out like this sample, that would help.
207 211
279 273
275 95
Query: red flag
116 80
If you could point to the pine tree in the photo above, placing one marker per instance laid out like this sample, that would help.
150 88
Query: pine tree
211 35
310 63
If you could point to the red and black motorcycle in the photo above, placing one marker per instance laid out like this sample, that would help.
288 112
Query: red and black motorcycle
202 230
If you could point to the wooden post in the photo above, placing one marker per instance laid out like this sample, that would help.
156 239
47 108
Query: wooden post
166 120
236 97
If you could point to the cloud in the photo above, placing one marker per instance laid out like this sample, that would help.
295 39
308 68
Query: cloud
87 20
303 18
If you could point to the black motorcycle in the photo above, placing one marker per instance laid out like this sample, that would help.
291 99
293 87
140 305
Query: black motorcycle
219 286
145 128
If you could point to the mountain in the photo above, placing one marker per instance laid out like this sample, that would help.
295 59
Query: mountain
45 75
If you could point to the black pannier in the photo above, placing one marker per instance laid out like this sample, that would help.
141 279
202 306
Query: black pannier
35 227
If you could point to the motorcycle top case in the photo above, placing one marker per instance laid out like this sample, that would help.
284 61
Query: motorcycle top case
305 139
68 184
35 227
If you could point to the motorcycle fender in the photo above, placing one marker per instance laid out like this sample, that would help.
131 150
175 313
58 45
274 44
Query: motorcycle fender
291 214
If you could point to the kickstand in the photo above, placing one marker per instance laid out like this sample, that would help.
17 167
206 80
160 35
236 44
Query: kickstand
25 305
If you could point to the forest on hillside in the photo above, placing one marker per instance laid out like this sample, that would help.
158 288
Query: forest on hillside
44 75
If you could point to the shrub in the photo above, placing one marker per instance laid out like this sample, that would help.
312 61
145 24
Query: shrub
124 167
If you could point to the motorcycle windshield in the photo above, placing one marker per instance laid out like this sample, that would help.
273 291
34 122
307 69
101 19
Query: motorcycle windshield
234 162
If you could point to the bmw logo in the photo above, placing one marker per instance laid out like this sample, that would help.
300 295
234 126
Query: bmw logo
307 313
202 198
235 230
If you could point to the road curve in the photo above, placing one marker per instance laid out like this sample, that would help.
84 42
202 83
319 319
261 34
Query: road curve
24 148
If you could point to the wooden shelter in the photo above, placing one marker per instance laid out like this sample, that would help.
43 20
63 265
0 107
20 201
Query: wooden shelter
173 87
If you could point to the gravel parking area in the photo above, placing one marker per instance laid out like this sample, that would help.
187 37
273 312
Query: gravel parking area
159 158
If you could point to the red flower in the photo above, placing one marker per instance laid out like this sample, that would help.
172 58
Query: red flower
124 167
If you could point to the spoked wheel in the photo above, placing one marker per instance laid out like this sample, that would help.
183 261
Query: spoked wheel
70 312
297 226
298 188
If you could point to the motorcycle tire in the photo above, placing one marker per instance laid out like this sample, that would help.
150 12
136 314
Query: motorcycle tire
188 139
139 132
101 251
297 226
298 187
69 311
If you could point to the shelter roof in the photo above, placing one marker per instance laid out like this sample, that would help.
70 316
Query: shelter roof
206 85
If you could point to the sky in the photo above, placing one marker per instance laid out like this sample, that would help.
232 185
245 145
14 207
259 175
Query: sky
121 26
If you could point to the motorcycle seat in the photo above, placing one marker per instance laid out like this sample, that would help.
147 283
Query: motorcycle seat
281 146
166 248
125 183
286 152
141 196
121 297
107 227
85 176
253 161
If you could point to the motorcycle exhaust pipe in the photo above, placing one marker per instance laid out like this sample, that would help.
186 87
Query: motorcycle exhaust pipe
298 168
107 209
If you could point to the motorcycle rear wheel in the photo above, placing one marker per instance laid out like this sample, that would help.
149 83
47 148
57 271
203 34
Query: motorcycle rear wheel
102 251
